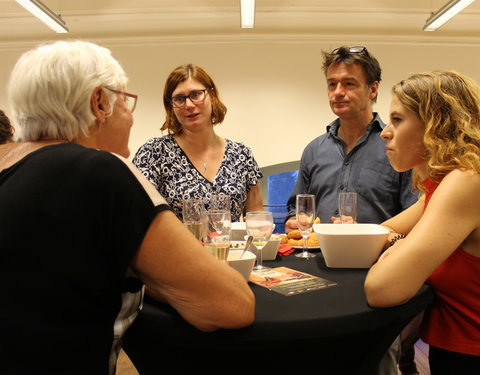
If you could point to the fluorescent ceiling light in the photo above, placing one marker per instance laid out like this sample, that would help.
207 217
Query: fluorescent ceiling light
44 14
248 13
445 13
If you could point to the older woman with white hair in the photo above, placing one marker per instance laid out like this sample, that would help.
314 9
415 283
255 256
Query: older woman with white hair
83 231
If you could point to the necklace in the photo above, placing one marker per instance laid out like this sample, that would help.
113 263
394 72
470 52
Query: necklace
204 167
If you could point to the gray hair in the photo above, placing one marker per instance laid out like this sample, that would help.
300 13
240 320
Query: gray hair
51 86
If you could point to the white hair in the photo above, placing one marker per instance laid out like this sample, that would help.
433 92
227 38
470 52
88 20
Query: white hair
51 86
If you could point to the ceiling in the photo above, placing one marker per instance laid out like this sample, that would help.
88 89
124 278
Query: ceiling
400 19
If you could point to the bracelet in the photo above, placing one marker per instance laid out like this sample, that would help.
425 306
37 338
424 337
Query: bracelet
396 238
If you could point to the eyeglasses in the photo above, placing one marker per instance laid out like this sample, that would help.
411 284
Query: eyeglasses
354 49
130 99
196 96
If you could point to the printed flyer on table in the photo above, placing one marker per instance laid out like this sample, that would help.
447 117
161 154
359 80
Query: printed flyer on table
287 281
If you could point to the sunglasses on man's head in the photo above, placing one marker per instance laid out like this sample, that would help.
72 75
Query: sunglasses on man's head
354 49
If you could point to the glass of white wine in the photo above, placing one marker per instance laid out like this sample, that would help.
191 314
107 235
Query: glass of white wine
259 225
216 233
193 210
305 210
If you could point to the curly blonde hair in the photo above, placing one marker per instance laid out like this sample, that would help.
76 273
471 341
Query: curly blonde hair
448 103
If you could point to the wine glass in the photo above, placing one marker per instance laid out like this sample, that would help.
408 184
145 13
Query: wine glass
305 210
220 202
259 225
216 233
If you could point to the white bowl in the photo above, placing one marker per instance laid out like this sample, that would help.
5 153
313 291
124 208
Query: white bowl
350 245
243 265
238 231
269 251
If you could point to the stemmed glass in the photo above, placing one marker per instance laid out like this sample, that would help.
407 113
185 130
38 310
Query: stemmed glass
259 225
220 202
193 211
216 233
305 210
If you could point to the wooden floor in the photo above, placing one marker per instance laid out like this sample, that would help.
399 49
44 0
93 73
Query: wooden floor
125 366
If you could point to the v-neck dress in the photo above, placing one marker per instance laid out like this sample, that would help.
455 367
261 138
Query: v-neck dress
163 162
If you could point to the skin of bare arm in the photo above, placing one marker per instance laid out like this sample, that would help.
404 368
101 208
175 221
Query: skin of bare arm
254 199
176 269
451 220
404 222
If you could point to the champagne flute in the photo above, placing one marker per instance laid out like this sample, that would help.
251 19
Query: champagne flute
193 211
259 225
305 210
347 207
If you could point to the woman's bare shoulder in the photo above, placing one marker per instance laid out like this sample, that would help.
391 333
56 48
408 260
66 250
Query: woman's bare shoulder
461 181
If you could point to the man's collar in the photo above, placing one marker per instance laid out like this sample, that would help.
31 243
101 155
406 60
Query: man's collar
377 121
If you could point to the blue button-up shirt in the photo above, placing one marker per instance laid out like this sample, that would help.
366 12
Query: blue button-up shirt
326 170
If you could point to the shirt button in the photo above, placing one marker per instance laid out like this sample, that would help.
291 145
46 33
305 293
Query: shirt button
342 187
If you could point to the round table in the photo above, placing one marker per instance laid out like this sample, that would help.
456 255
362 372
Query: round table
332 330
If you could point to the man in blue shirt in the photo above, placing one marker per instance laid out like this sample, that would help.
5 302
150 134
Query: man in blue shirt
351 157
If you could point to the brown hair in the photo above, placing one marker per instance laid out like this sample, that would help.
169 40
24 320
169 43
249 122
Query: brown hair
6 129
355 55
181 74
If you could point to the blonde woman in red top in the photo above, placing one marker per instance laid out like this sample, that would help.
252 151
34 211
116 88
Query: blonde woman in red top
434 128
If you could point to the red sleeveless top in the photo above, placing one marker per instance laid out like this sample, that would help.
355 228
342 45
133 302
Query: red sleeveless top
453 321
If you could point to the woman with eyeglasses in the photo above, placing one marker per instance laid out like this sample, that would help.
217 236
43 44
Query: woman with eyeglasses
434 128
83 233
192 161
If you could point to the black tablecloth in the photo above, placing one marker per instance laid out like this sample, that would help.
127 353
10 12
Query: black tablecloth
332 330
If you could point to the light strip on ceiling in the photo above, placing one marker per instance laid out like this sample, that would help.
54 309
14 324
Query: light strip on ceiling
248 13
44 14
446 12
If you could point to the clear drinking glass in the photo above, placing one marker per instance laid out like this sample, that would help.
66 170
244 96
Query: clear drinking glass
216 233
220 202
259 225
193 210
347 207
305 210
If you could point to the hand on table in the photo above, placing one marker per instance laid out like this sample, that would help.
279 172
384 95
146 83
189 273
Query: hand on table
291 224
346 220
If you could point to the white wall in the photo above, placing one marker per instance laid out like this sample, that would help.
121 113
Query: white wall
275 90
